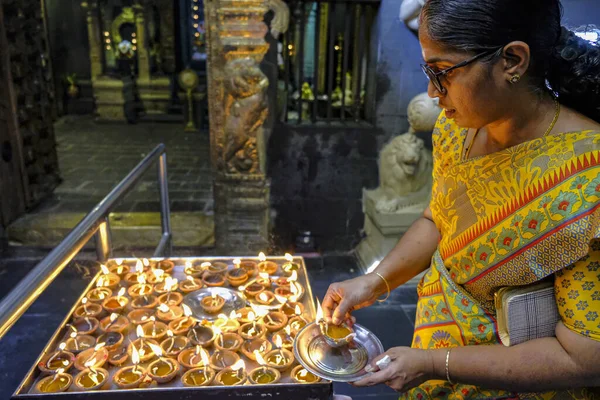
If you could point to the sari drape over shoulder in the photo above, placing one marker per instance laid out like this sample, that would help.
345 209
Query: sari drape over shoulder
510 218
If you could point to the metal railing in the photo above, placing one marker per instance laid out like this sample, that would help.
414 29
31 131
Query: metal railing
95 223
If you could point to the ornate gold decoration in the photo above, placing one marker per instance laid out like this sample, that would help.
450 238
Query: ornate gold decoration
126 17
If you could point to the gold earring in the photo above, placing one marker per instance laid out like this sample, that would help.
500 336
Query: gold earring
515 79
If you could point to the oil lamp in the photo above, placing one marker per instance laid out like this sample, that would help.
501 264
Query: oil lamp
141 288
253 329
285 338
217 267
280 358
171 298
252 289
145 301
165 265
292 308
86 325
335 335
290 266
234 375
194 357
195 270
59 382
198 377
154 330
140 316
213 280
250 267
263 375
114 323
166 286
275 320
77 343
91 378
60 359
98 294
262 345
119 269
169 313
98 354
182 325
265 297
190 284
162 370
106 279
212 304
201 335
173 345
118 356
140 345
269 267
301 375
227 341
87 310
132 376
157 276
111 340
237 276
222 359
227 324
117 303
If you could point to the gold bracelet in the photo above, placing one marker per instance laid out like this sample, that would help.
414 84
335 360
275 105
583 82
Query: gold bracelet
386 285
448 367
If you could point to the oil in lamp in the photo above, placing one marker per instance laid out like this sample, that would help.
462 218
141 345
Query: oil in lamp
290 266
201 335
263 375
217 267
236 276
86 325
169 312
164 369
213 280
154 330
227 324
59 382
280 358
262 345
132 376
119 268
250 267
98 354
198 377
265 297
335 335
212 304
253 329
275 320
145 301
269 267
111 340
98 294
234 375
194 357
227 341
222 359
87 310
118 356
195 270
114 323
91 378
190 284
140 316
182 325
77 343
173 345
300 375
60 359
117 303
171 298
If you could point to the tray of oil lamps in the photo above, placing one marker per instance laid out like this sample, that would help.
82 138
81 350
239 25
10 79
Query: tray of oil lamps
344 362
182 327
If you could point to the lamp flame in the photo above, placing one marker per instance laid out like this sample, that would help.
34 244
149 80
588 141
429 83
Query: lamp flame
232 314
263 296
121 292
141 279
278 341
263 275
139 267
100 281
158 274
205 265
139 331
293 277
146 262
157 350
262 257
90 363
288 330
119 261
319 311
135 356
105 270
62 346
289 257
73 335
163 308
99 346
259 358
204 356
297 310
251 316
190 278
237 262
239 364
187 311
84 300
170 333
113 317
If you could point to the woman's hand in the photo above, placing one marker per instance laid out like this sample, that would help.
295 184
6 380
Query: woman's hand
344 297
407 369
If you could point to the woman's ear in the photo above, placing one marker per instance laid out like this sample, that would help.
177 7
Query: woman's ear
517 57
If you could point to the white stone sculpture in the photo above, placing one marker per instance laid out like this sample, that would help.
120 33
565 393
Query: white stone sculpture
410 11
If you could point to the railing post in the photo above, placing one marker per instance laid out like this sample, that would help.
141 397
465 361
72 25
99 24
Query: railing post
165 213
103 242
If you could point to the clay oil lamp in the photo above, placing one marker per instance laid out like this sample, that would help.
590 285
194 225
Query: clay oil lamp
132 376
250 267
111 340
201 335
194 357
284 292
198 377
264 279
227 324
78 343
167 286
97 295
97 354
146 301
173 345
114 323
334 335
157 276
119 269
60 359
59 382
195 270
190 284
154 330
164 369
300 375
280 358
165 265
141 315
213 280
297 291
118 356
222 359
141 288
87 310
117 303
290 266
133 278
233 375
181 326
269 267
217 267
169 313
262 345
236 276
171 298
296 324
282 281
106 279
228 341
292 308
243 314
285 337
275 320
252 289
252 330
86 326
212 304
265 297
263 375
141 347
91 378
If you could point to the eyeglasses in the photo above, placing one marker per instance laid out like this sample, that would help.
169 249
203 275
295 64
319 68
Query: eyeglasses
434 76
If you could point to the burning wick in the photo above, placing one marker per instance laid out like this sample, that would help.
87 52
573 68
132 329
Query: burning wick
84 302
74 337
61 347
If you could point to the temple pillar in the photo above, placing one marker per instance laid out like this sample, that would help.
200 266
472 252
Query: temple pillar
142 47
237 100
93 37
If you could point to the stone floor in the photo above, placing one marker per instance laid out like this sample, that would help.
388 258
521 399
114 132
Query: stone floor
391 321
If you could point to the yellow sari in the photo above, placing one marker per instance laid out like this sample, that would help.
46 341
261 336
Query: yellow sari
506 219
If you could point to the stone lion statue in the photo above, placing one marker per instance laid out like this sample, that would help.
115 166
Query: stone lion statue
245 111
405 164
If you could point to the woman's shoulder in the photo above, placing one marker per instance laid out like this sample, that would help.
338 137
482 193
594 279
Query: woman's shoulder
573 121
448 140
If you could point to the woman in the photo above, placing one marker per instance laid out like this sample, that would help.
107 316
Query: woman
516 199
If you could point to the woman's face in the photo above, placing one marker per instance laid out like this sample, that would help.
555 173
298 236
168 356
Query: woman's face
476 94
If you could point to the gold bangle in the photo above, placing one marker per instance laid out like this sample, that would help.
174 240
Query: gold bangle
448 367
386 285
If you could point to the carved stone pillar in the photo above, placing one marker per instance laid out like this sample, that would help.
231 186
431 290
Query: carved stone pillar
142 47
237 91
93 27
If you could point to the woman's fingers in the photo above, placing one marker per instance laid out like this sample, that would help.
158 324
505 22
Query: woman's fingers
330 302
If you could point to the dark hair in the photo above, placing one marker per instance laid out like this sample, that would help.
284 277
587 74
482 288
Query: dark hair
559 58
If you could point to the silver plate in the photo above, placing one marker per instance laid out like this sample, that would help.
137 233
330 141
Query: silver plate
344 364
233 301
